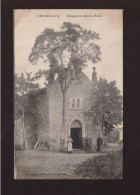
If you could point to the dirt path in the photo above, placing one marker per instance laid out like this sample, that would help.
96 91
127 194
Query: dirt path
48 165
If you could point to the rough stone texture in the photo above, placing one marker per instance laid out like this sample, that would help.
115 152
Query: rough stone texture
83 89
30 129
55 115
35 121
43 118
18 135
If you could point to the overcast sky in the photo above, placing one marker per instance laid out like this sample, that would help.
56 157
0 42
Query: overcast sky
108 23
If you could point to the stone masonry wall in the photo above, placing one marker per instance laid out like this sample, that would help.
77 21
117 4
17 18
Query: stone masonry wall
36 121
18 135
55 115
42 102
83 89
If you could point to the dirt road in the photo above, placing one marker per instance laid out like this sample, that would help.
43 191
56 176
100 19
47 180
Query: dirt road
48 165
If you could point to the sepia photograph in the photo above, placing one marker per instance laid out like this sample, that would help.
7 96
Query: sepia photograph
68 94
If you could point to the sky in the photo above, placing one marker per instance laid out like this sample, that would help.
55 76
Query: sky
29 23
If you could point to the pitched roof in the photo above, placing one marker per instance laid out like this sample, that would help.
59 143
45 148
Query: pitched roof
83 74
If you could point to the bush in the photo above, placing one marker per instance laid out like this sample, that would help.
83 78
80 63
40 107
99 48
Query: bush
108 166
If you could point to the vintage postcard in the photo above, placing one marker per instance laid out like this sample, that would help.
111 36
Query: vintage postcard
68 94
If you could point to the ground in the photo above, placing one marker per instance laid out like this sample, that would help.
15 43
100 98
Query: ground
33 164
48 165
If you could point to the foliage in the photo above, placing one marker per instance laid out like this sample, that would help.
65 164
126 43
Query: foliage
65 51
18 109
23 85
108 166
107 109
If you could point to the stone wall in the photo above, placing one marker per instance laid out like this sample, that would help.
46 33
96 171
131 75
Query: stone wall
30 124
39 127
36 121
84 89
18 135
42 103
55 115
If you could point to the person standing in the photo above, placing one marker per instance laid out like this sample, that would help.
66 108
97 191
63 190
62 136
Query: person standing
99 143
69 143
86 145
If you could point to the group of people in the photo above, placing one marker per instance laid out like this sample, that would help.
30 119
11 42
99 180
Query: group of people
87 145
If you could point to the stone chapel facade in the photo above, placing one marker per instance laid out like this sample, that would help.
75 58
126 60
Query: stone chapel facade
44 118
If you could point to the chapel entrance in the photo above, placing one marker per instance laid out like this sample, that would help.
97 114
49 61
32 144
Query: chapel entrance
76 134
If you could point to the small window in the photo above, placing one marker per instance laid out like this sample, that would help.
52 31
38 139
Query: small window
78 103
73 102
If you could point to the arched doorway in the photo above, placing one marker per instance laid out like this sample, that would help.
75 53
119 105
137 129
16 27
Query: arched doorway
76 134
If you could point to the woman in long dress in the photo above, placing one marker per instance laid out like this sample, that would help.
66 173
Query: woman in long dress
69 142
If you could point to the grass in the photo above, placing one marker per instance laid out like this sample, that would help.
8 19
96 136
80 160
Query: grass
108 166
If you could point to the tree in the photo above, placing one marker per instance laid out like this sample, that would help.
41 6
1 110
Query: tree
23 85
107 107
67 52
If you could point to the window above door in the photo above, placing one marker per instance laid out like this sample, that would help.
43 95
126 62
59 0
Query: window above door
76 103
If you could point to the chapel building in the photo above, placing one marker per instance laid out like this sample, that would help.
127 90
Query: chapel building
44 114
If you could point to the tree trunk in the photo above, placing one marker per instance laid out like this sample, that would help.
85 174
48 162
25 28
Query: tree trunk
102 131
64 88
64 110
62 136
25 137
